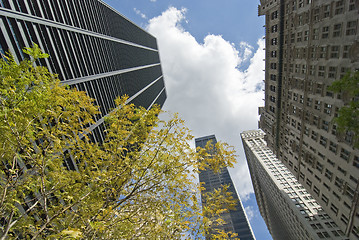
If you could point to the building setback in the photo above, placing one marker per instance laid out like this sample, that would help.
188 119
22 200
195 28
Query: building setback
236 220
309 44
289 211
92 47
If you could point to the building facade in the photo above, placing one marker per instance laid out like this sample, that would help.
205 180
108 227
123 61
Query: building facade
289 211
92 47
309 44
236 220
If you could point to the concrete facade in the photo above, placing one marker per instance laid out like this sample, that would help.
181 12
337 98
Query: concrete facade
289 211
309 44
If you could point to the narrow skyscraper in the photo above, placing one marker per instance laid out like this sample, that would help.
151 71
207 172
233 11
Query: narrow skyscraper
236 220
289 211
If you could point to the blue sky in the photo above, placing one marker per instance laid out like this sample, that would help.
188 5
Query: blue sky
212 59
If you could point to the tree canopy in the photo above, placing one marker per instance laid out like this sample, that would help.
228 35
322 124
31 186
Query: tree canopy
137 184
348 115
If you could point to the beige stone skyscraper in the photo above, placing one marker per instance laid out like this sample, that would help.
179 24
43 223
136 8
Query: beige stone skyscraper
309 44
289 211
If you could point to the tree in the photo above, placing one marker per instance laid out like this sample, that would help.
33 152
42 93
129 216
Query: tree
348 115
137 184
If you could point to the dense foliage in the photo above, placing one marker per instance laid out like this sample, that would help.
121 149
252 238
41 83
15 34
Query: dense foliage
137 184
348 115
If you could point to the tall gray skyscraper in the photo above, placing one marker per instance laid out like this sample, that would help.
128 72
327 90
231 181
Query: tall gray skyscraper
310 44
289 211
92 47
236 220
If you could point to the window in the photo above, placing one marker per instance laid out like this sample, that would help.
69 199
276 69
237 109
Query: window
351 28
316 190
274 15
346 51
350 192
308 182
319 167
326 11
273 65
299 36
325 32
315 34
336 195
333 147
272 109
323 52
337 30
274 28
316 14
272 88
334 208
332 73
325 125
352 5
344 219
327 108
342 171
273 77
323 141
354 179
344 154
292 37
321 71
331 162
306 34
274 41
317 105
312 70
339 7
323 235
338 182
334 52
273 53
326 186
316 226
314 136
304 69
356 162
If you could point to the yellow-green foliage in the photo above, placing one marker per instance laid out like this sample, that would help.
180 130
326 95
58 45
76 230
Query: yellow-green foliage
138 184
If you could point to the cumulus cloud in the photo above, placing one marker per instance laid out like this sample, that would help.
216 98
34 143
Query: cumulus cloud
138 12
205 86
249 212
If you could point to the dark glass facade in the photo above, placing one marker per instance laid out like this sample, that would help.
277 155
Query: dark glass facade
92 47
236 220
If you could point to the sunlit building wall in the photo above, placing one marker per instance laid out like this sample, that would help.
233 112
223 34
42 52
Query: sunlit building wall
288 210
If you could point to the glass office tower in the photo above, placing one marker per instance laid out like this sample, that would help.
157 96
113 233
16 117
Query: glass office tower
92 47
236 220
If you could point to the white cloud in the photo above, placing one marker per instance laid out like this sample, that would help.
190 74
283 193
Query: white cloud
138 12
205 86
249 212
246 51
153 0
